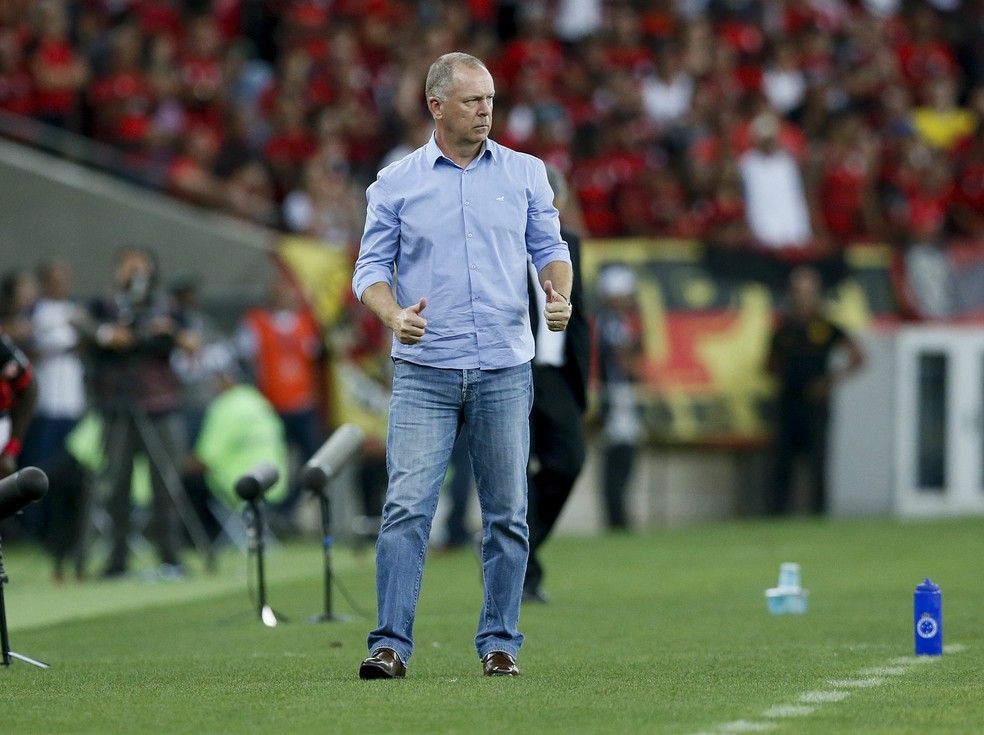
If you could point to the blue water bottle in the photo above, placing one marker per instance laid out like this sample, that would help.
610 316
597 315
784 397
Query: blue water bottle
927 613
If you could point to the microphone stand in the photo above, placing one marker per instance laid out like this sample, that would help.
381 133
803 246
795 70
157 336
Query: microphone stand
316 475
326 540
4 638
254 531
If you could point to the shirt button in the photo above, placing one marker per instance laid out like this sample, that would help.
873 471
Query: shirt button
470 235
467 203
474 267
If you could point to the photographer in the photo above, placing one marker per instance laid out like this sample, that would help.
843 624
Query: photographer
132 334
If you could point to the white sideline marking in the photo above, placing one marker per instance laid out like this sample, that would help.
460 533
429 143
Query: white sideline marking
789 710
856 683
747 726
819 697
838 692
885 671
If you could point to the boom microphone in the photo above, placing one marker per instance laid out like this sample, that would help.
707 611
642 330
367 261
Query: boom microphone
327 461
257 481
20 489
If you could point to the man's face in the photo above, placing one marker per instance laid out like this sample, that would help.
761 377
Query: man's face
132 263
805 292
58 283
466 115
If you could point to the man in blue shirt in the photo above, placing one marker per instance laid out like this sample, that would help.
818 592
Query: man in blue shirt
452 225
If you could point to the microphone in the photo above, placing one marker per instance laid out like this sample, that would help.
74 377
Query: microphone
260 478
328 460
20 489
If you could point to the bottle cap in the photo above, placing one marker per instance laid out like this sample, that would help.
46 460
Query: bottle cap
928 586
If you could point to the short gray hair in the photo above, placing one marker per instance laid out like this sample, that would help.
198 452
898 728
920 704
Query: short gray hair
440 77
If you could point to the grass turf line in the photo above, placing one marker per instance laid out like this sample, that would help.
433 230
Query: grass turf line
651 633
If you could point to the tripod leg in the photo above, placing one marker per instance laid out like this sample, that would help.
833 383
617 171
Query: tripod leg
327 543
158 456
29 660
4 637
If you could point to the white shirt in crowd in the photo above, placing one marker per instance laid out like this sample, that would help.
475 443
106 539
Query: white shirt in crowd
667 100
57 365
775 202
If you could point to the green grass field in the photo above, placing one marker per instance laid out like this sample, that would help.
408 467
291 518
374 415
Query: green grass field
657 633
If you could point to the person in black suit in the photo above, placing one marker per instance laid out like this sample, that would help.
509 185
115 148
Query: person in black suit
560 375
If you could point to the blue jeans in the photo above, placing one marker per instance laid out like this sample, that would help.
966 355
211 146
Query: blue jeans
427 409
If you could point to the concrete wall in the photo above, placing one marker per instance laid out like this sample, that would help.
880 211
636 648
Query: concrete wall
51 207
668 487
863 426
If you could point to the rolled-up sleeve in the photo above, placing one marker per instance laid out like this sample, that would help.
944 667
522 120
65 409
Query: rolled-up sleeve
380 241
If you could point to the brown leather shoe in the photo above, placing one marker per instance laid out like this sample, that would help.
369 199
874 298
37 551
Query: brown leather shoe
384 663
500 663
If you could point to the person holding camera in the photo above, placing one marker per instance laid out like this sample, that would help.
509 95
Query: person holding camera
133 332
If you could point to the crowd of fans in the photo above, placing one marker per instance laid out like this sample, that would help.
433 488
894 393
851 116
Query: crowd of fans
785 126
669 117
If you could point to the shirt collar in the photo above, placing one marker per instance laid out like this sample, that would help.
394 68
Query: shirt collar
433 152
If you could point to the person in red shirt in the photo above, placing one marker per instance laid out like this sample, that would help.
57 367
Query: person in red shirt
968 207
159 17
841 182
227 15
722 216
626 47
18 393
122 98
926 54
653 203
609 159
200 71
290 145
189 175
923 194
282 343
533 47
16 82
60 73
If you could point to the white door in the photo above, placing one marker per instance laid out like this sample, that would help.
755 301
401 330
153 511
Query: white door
939 468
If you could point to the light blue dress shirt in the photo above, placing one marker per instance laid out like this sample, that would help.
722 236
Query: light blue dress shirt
460 238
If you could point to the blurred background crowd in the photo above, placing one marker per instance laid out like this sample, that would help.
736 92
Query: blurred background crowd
669 117
787 130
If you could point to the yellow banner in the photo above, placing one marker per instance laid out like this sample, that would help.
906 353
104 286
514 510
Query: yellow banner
705 334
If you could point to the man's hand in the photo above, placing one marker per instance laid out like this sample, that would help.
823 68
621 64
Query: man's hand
115 337
558 309
408 325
